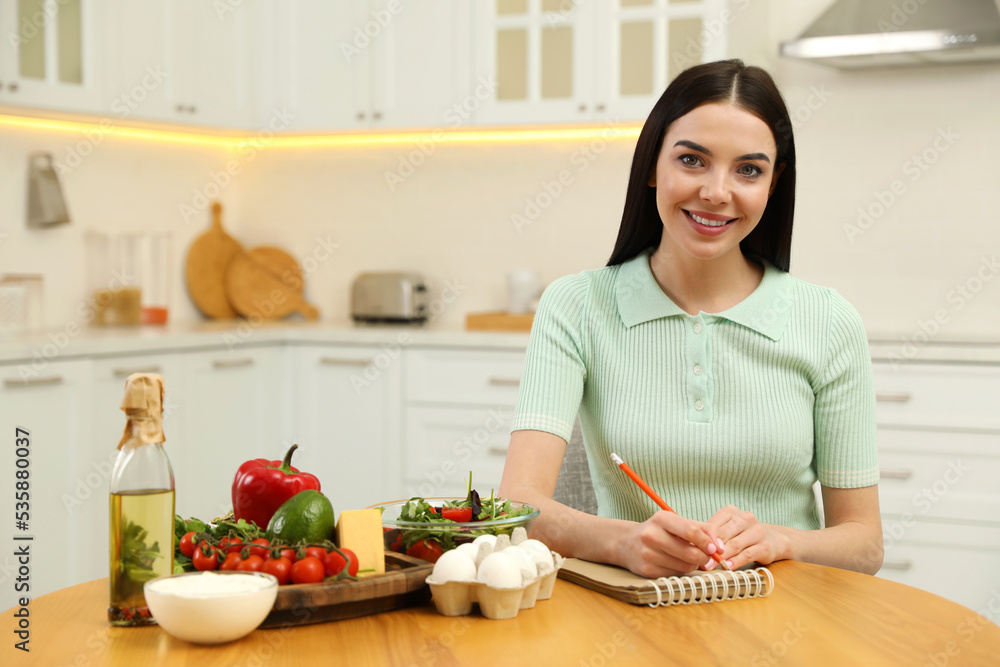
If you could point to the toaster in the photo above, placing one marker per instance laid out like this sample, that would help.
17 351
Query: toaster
389 297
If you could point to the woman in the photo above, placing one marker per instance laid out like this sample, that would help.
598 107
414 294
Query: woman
728 385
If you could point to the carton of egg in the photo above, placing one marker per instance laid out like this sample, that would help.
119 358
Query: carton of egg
502 574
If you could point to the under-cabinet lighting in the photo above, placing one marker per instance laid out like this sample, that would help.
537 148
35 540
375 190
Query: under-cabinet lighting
264 139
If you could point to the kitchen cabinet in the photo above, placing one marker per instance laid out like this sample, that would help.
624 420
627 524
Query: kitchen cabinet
51 57
939 455
367 64
181 61
459 407
49 400
346 421
558 61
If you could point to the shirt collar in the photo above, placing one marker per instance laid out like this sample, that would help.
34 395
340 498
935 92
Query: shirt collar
765 311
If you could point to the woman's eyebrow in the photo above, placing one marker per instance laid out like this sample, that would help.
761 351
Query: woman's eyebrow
701 149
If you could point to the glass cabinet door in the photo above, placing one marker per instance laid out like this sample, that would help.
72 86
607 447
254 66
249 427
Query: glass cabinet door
539 57
48 60
648 43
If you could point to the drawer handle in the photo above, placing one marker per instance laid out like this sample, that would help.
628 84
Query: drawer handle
125 372
896 473
504 382
11 383
231 363
903 565
902 397
343 361
497 451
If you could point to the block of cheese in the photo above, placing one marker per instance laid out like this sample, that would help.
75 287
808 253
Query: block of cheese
361 532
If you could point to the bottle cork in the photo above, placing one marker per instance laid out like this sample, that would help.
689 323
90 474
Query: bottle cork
143 404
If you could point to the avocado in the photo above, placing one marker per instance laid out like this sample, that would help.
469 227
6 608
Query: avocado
308 516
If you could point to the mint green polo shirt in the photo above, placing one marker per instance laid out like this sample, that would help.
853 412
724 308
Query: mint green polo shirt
748 407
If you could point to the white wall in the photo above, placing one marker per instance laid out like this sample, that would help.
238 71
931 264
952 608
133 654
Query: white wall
856 135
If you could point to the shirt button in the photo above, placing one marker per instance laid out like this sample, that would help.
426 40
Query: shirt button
698 405
697 369
697 327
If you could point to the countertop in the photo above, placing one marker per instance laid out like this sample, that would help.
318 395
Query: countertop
73 341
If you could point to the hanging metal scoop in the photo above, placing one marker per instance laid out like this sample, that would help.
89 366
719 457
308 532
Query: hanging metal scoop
46 205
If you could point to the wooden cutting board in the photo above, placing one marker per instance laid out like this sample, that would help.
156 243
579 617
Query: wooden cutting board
205 268
267 282
402 585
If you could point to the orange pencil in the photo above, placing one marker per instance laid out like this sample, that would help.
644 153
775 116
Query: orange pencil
656 499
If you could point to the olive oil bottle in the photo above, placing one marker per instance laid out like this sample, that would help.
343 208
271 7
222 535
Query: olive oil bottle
141 503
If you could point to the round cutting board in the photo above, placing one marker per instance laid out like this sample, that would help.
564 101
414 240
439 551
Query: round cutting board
205 269
267 282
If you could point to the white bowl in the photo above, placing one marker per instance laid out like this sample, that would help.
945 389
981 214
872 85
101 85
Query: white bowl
203 610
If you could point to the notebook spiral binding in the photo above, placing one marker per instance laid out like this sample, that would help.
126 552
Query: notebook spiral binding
694 589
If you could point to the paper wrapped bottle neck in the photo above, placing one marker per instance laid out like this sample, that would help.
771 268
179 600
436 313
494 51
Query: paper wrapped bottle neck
143 404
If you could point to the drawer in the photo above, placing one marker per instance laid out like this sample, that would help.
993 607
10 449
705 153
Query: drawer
463 377
445 444
939 474
938 395
956 562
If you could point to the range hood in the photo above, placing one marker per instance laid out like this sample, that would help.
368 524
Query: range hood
881 33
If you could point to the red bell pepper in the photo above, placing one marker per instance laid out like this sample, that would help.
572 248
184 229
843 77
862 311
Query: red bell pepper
262 486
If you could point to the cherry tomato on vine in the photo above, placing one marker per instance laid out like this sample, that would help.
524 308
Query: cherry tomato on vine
309 570
263 549
333 564
289 554
252 563
187 544
352 569
232 560
281 568
319 553
203 562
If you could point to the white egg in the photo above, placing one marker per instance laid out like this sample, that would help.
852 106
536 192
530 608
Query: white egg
498 570
469 549
454 566
492 539
520 556
535 546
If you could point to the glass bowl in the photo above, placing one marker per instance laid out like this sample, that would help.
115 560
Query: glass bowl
398 535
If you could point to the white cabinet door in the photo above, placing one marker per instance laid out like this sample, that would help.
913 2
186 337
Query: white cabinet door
558 61
182 61
50 405
51 54
232 408
103 396
347 422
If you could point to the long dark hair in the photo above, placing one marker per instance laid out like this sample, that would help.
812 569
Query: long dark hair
749 88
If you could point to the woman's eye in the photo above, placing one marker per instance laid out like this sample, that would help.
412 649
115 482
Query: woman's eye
691 160
750 170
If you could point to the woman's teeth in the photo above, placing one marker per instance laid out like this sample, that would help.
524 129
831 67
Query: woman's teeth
707 222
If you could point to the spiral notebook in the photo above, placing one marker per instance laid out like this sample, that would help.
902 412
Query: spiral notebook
693 588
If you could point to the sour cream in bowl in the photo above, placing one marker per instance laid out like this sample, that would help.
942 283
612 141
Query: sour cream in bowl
211 607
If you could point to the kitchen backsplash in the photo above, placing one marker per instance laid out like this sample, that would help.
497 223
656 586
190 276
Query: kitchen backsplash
896 200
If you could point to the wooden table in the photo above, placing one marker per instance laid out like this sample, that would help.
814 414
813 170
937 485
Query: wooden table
816 616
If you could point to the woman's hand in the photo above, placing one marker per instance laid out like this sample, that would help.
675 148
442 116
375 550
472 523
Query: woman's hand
746 539
667 544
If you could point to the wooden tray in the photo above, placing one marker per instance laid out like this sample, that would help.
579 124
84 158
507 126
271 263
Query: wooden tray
402 585
498 322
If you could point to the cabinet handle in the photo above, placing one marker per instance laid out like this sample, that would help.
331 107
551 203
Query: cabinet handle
897 565
901 397
600 107
896 473
12 87
125 372
504 382
342 361
11 383
180 108
497 451
361 115
231 363
193 109
377 115
582 108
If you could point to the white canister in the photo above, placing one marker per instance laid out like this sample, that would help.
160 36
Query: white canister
523 289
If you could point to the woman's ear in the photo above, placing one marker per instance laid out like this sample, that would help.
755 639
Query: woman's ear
774 178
